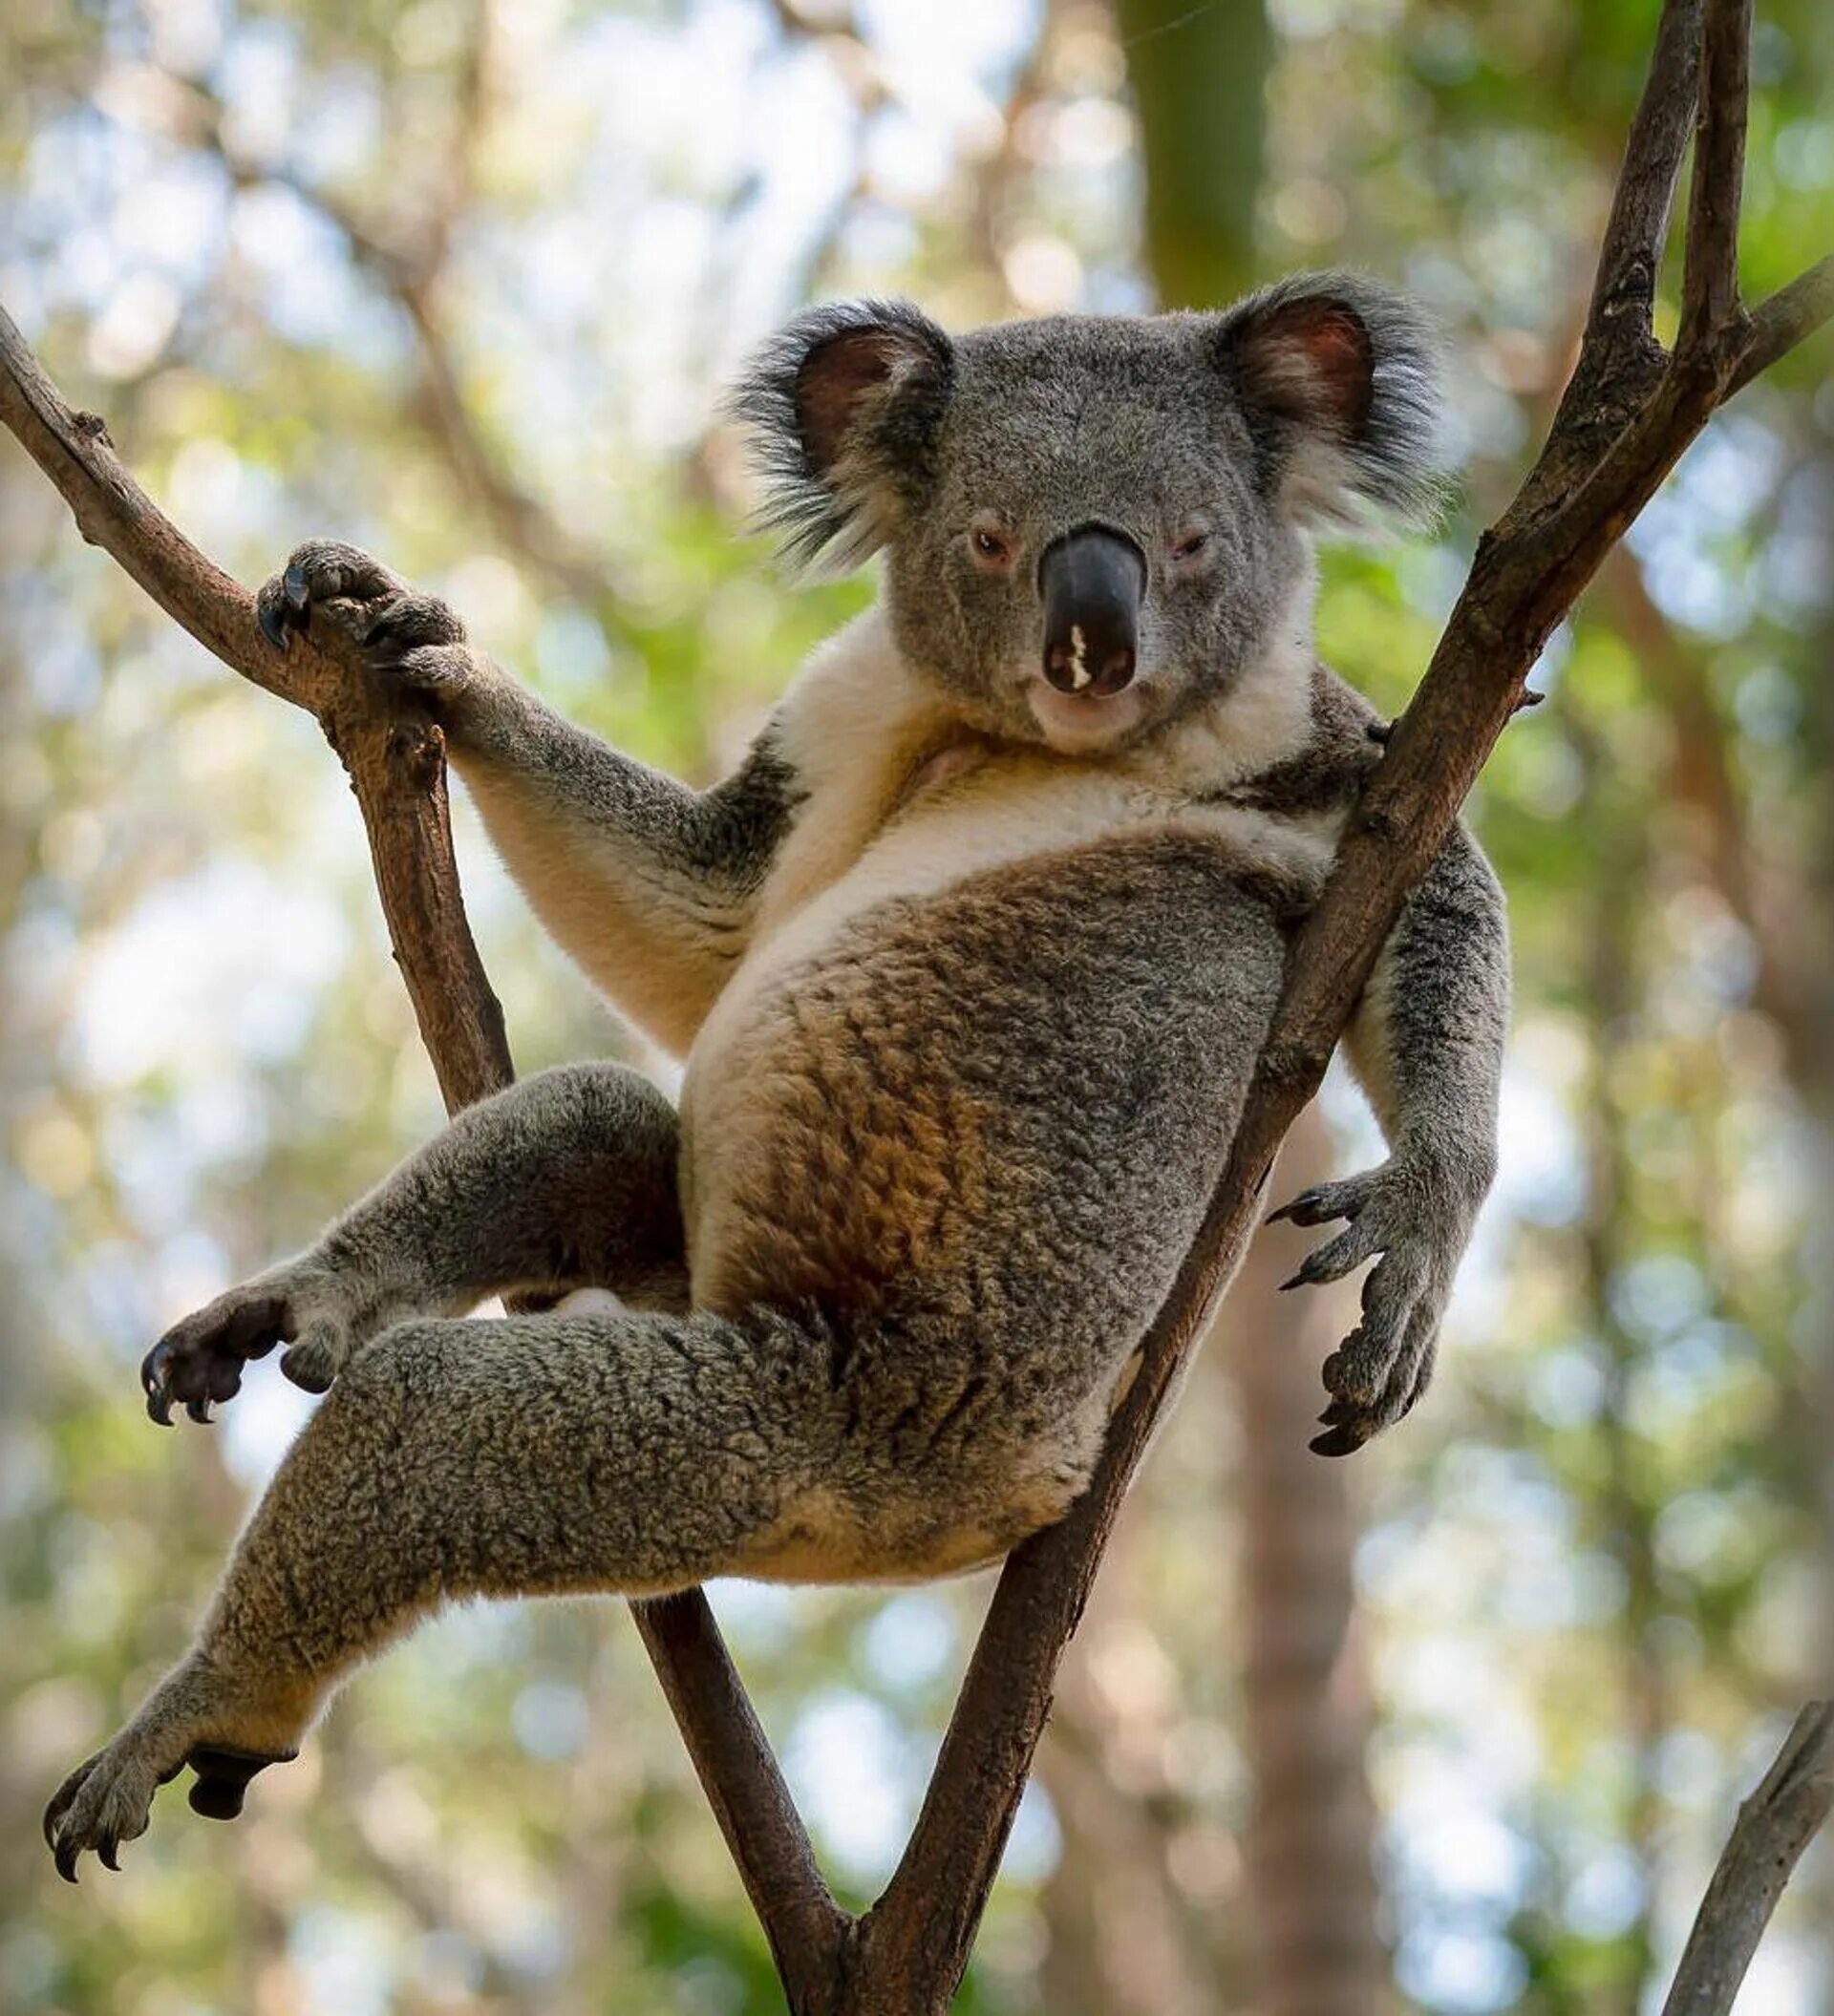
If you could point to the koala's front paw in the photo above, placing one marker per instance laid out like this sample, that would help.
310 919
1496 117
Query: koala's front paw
200 1360
413 640
1419 1224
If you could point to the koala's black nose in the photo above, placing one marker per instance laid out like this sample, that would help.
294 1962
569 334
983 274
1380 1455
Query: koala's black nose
1091 581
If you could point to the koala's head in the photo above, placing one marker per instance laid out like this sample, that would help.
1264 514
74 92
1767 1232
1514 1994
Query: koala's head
1092 522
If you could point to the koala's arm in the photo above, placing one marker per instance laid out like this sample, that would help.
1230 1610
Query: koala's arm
1426 1043
648 884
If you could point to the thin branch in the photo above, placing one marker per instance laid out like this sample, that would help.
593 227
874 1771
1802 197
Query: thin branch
1709 280
794 26
408 266
1631 254
395 759
1702 779
113 512
807 1930
1791 314
525 524
1775 1825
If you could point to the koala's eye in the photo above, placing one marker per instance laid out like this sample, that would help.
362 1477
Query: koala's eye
1187 545
991 548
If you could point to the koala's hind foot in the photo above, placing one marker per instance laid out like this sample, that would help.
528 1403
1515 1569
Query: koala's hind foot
565 1180
1419 1224
194 1717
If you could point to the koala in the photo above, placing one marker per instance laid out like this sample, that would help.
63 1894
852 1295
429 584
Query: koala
969 960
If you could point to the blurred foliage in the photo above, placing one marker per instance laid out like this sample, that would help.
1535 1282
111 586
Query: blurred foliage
456 281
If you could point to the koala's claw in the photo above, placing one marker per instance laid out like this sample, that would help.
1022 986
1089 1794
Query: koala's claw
1416 1226
1325 1201
200 1360
273 625
322 570
108 1798
414 638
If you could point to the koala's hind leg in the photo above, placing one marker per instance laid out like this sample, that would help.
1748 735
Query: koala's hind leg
565 1180
636 1452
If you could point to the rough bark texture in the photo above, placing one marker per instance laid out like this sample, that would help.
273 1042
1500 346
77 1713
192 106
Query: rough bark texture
1630 412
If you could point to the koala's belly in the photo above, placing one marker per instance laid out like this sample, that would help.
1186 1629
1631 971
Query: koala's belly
979 1108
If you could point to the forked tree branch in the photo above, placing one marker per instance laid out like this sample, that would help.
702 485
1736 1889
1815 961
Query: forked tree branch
1629 411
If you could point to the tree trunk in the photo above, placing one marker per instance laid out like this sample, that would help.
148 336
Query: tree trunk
1310 1846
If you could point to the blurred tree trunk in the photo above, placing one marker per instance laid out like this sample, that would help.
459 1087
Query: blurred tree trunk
1817 1092
1124 1936
1620 823
1310 1845
1199 76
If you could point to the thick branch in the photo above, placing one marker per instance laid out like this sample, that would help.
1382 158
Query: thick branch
395 761
1775 1825
808 1931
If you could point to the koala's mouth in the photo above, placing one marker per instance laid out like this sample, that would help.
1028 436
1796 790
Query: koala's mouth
1076 723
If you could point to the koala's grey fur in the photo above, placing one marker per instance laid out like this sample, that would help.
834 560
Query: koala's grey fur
970 974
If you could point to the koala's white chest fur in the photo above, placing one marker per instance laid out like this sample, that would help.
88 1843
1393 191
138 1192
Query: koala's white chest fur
902 805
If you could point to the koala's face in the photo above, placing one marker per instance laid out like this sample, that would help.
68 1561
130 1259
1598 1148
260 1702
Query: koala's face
1092 523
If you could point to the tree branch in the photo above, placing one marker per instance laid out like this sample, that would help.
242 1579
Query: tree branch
1791 314
1775 1825
1631 255
1710 278
395 761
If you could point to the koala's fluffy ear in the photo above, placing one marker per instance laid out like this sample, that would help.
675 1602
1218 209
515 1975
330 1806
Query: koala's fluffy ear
1342 382
845 406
